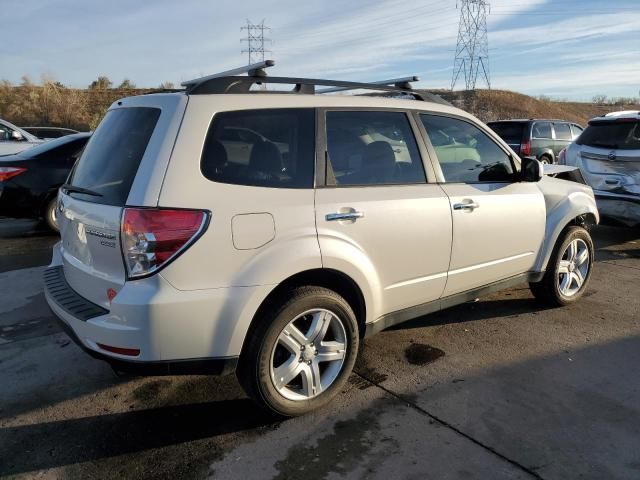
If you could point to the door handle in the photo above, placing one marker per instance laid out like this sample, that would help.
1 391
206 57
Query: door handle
332 217
466 206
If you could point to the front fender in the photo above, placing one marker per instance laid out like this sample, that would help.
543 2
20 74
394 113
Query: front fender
565 201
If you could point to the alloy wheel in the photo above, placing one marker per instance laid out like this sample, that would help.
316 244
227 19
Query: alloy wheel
309 354
573 268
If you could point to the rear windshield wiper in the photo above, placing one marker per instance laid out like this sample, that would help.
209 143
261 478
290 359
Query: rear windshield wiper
73 189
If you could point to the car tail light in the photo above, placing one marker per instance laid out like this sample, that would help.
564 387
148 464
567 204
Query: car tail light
562 157
9 172
525 149
152 237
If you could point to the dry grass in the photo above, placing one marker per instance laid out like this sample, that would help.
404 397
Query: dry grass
51 104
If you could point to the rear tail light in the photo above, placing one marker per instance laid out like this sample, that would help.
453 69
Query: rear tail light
9 172
152 237
562 157
525 149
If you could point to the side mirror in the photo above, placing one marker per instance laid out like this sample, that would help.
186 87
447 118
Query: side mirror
15 135
531 170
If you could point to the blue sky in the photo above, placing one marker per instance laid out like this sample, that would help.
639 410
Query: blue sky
563 48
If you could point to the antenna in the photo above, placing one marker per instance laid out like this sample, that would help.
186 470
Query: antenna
255 41
472 50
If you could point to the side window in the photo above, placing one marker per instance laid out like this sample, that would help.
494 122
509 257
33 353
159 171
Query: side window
465 153
5 133
372 148
563 131
577 131
266 148
542 130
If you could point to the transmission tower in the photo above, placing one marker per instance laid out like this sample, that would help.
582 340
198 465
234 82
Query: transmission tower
255 41
472 50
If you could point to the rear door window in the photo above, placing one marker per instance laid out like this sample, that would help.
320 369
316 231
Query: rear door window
542 130
372 148
563 131
623 135
267 148
111 158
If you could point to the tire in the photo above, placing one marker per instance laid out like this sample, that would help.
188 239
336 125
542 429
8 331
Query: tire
270 350
557 288
546 159
51 214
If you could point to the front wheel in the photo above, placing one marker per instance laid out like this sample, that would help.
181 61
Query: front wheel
301 352
568 271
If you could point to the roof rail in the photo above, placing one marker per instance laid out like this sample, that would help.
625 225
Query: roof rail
253 70
403 83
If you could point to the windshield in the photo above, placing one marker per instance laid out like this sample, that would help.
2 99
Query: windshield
510 132
618 135
111 159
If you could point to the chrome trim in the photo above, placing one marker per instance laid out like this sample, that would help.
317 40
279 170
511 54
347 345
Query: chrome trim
331 217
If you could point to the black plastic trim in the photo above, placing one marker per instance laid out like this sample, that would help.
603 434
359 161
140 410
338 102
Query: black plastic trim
410 313
67 299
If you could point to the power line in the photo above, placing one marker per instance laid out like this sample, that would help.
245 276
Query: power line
472 49
255 41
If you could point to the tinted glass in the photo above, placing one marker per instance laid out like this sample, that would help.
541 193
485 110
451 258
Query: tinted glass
542 130
510 132
563 131
465 153
623 135
266 148
5 134
372 148
112 156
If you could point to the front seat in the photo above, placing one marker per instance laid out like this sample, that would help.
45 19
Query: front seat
214 160
379 163
265 162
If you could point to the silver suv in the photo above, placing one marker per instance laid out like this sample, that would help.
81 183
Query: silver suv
223 228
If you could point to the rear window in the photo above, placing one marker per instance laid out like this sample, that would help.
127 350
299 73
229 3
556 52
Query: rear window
266 148
112 156
510 132
622 135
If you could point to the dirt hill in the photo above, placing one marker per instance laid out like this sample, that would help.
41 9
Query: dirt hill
54 105
491 105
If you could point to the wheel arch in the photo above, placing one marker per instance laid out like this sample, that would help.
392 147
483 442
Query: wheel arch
331 279
577 209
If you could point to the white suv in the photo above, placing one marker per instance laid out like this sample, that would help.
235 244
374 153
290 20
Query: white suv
340 216
608 155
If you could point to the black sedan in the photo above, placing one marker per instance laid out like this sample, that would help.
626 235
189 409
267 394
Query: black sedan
29 180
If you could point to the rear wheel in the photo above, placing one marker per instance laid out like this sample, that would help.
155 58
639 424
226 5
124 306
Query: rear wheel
301 353
546 160
51 215
568 271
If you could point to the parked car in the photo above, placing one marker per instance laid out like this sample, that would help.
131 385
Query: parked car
542 139
29 180
179 257
49 133
14 139
608 154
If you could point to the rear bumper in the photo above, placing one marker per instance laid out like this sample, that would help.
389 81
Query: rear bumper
623 208
176 332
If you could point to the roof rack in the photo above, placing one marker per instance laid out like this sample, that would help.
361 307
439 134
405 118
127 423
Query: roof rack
229 82
400 83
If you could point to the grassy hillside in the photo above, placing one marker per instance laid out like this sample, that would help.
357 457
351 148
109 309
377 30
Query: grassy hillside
491 105
54 105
